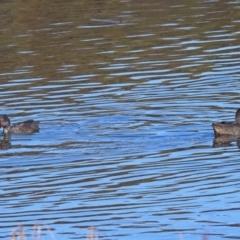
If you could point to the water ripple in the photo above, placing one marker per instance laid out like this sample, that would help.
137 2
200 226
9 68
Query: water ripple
126 100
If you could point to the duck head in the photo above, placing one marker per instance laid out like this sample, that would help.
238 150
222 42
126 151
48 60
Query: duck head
5 123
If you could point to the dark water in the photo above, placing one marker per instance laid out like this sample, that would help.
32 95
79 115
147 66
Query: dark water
126 92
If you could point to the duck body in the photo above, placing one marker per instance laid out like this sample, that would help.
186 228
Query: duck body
223 128
29 126
228 128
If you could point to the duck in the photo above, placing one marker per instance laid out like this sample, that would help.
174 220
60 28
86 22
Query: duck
228 128
29 126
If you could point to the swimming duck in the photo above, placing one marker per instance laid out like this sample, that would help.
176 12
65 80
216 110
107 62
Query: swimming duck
29 126
228 128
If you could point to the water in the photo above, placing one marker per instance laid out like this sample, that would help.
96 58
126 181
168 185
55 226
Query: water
126 93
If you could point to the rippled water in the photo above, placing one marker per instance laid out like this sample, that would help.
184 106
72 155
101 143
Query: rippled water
126 93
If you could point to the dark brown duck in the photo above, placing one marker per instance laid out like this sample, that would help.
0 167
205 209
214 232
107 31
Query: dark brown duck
228 128
29 126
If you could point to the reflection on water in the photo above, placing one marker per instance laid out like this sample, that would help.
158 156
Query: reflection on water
126 93
5 144
225 141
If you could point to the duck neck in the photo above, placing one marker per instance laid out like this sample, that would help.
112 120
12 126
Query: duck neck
6 130
237 117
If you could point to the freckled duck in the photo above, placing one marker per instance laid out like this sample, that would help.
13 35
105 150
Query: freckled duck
29 126
228 128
